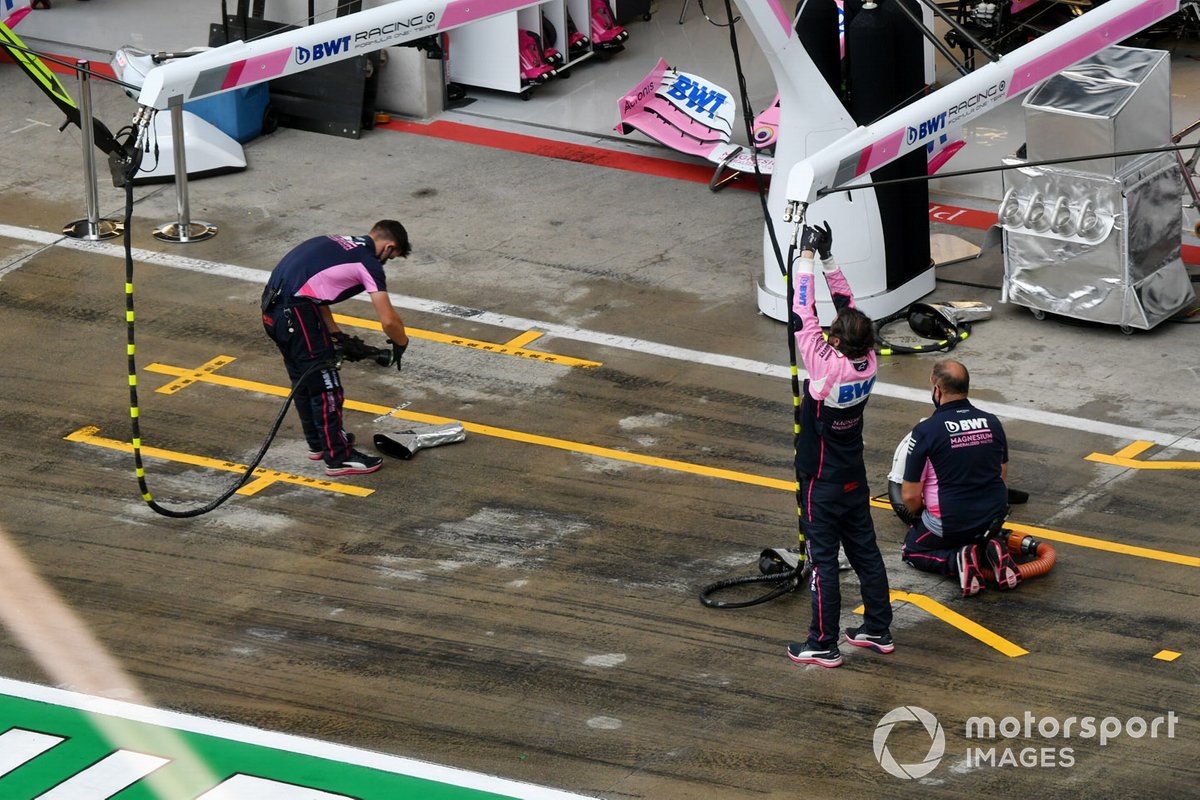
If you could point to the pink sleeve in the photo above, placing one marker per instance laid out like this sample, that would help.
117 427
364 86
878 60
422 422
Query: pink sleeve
804 307
839 289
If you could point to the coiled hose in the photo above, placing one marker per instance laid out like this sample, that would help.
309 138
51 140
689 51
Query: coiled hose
1043 555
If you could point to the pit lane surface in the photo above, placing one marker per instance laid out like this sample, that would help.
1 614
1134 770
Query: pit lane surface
529 611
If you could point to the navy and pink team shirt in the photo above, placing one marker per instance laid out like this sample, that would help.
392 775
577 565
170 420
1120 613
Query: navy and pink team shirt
329 269
957 454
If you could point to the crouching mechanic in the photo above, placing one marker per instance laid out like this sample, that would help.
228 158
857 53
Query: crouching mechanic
296 315
835 503
955 485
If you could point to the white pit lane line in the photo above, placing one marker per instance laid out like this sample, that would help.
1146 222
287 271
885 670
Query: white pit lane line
920 396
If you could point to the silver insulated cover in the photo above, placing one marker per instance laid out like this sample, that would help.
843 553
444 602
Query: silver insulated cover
1119 99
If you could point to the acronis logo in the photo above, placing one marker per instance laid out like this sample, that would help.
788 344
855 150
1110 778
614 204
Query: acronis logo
927 128
322 50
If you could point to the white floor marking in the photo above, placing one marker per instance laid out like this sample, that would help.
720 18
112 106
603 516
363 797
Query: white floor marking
106 777
19 746
247 787
279 741
919 396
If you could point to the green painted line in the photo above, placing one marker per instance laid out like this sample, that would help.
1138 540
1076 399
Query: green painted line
69 746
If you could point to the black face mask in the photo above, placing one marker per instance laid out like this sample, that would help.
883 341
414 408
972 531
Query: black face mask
933 396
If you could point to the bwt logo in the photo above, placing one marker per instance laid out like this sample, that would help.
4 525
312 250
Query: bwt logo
937 742
977 424
696 95
851 392
322 50
927 128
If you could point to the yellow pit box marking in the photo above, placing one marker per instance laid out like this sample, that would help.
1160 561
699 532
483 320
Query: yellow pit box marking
1127 457
375 409
513 347
953 618
261 480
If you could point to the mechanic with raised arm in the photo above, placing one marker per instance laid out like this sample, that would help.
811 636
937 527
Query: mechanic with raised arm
296 315
955 486
835 503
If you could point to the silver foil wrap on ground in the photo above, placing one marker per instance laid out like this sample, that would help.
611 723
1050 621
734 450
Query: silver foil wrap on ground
405 443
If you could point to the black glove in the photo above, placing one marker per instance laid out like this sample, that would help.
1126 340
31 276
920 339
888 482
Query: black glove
352 348
817 239
338 339
397 354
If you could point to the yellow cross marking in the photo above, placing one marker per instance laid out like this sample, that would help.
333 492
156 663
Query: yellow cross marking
262 477
1127 457
967 626
513 347
195 375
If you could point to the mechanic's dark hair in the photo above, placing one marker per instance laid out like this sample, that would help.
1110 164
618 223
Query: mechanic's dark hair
856 334
389 230
952 377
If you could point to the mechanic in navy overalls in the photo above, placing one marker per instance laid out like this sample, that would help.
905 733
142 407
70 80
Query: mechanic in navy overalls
835 503
297 317
955 477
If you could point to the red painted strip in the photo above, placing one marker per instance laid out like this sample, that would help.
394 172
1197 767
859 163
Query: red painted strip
233 75
864 158
963 217
582 154
99 67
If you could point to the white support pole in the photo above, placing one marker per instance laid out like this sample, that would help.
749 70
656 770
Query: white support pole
92 228
183 230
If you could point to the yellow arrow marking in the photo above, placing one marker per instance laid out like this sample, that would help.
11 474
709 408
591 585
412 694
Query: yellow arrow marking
195 375
262 477
511 348
967 626
651 461
1127 457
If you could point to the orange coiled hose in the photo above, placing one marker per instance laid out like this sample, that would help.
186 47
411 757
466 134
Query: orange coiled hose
1042 562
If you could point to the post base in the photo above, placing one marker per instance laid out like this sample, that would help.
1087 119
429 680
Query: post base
192 232
102 229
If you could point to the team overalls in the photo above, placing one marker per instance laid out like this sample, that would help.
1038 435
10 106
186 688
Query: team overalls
957 455
320 271
834 498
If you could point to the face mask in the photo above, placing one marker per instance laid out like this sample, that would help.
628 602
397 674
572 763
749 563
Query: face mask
934 397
